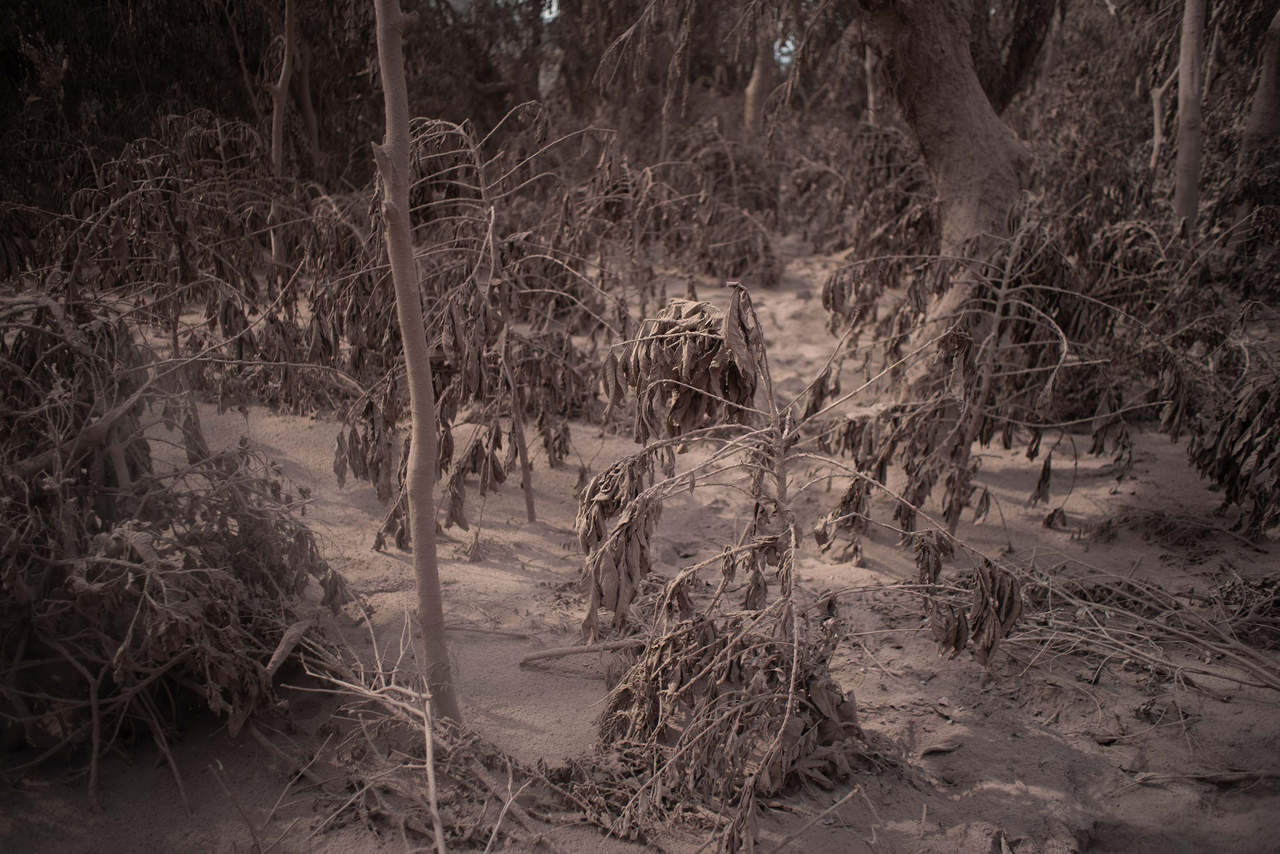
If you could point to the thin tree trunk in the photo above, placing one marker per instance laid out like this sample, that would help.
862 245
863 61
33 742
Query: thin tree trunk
279 101
760 83
522 448
250 90
1210 65
1262 128
1049 53
393 164
1186 193
869 67
306 105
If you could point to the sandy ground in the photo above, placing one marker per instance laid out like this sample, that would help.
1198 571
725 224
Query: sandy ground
1040 755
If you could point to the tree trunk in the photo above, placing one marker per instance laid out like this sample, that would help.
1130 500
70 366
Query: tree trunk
976 164
393 164
1262 129
250 90
1186 193
1049 53
306 104
1263 126
279 100
761 82
870 67
975 160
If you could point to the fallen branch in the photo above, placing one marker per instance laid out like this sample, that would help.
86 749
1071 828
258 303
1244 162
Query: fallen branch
566 651
1218 778
94 434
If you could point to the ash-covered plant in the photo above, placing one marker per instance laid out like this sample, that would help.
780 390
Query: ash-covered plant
692 366
134 591
179 218
1038 344
708 204
747 665
1238 445
994 607
726 206
393 767
505 362
727 704
176 226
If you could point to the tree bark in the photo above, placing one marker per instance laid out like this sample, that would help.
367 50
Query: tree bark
279 101
1186 193
1262 129
975 160
393 164
1264 112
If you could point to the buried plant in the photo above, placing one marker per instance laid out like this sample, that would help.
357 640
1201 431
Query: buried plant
502 353
395 767
724 702
134 591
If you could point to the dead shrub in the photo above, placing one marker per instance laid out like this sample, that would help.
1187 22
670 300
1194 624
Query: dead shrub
133 593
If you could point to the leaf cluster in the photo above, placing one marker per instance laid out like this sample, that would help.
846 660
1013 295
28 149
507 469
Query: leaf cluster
690 366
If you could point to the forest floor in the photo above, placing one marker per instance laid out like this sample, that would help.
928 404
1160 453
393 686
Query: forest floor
1042 753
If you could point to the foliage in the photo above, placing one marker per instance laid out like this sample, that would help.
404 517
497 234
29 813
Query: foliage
77 84
547 239
724 709
993 612
861 187
1239 447
691 366
709 675
501 350
134 590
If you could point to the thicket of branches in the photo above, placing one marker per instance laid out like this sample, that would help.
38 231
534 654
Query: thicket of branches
577 179
144 576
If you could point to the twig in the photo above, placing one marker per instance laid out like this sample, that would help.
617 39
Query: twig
792 837
216 768
432 803
92 434
157 732
518 812
507 804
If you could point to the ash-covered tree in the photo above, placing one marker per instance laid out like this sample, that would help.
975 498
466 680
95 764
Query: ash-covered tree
1186 198
393 165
